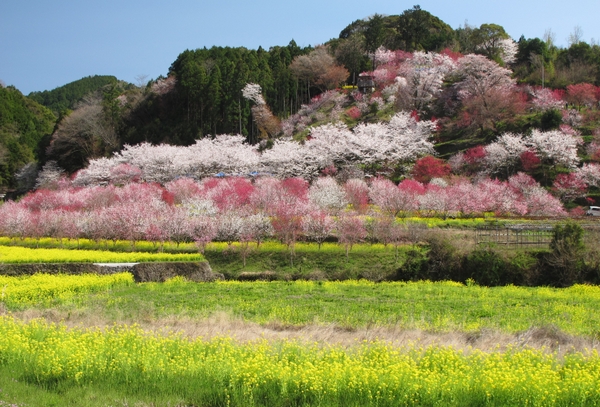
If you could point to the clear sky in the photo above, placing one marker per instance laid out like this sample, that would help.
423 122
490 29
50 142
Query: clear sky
45 44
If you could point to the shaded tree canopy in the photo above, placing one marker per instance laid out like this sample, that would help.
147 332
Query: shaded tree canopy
23 125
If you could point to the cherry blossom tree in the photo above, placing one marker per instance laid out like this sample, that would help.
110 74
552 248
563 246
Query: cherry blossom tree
537 200
15 220
590 174
567 187
255 228
502 155
545 99
287 223
477 75
555 147
183 189
287 159
268 124
229 227
484 87
319 68
435 201
124 174
357 194
203 230
423 75
394 200
317 226
328 195
386 230
350 230
50 176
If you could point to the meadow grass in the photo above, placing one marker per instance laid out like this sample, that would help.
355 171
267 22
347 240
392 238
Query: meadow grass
431 306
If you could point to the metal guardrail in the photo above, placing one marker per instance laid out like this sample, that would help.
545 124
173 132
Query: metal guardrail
523 235
515 235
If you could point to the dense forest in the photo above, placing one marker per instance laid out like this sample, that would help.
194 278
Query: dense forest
24 124
201 94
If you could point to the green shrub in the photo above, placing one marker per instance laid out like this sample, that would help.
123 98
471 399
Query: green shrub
486 266
491 267
443 259
414 267
564 265
550 120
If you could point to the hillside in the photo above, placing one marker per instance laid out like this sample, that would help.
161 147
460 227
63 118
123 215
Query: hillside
67 96
304 88
23 126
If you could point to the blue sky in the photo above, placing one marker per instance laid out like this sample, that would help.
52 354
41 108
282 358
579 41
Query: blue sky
46 44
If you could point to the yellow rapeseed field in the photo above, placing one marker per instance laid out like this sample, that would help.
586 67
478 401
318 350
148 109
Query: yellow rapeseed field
44 288
16 254
263 373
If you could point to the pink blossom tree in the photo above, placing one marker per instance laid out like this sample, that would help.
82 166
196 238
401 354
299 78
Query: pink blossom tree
203 230
317 226
581 94
568 187
357 194
350 230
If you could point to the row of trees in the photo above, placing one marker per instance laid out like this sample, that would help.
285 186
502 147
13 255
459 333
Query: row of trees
401 140
238 210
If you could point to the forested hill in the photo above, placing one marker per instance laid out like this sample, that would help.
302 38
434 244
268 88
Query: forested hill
201 95
23 125
65 97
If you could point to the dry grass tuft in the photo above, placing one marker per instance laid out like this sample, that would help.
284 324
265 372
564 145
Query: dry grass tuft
549 338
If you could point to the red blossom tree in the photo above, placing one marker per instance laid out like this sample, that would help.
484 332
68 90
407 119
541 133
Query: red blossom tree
430 167
529 160
357 193
474 159
581 94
